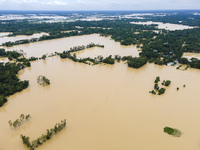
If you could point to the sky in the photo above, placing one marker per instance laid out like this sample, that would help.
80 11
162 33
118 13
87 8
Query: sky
68 5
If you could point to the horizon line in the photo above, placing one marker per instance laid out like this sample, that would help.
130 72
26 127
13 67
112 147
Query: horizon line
110 10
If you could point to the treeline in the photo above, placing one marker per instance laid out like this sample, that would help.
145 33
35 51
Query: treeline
24 27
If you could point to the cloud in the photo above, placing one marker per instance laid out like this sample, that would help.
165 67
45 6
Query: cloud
98 4
80 2
58 3
26 1
2 1
36 2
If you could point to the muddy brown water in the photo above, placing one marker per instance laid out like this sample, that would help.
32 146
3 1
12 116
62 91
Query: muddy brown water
166 26
190 55
107 107
59 45
5 38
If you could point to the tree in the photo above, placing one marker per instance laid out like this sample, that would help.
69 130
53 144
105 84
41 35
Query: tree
10 57
161 91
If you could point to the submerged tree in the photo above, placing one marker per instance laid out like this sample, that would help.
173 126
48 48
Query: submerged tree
19 121
44 137
42 80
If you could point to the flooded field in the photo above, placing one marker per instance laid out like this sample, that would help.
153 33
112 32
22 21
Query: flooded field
18 37
166 26
59 45
107 107
191 55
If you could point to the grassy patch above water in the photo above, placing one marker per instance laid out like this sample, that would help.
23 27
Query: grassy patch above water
172 131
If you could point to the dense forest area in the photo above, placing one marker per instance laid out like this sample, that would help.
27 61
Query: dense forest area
9 81
178 17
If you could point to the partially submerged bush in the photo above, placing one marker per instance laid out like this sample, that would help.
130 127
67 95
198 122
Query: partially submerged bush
161 91
172 131
166 83
19 121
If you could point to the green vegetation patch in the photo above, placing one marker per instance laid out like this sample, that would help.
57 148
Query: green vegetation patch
172 131
137 62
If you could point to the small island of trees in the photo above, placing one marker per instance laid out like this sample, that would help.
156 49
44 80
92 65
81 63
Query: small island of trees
157 90
172 131
42 80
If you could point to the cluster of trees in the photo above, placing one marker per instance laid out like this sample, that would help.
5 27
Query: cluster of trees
42 80
108 60
170 46
19 121
9 81
10 54
135 62
39 141
14 55
157 90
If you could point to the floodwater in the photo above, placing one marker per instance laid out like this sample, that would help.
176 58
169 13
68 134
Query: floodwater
4 59
189 55
166 26
2 34
19 37
59 45
107 107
